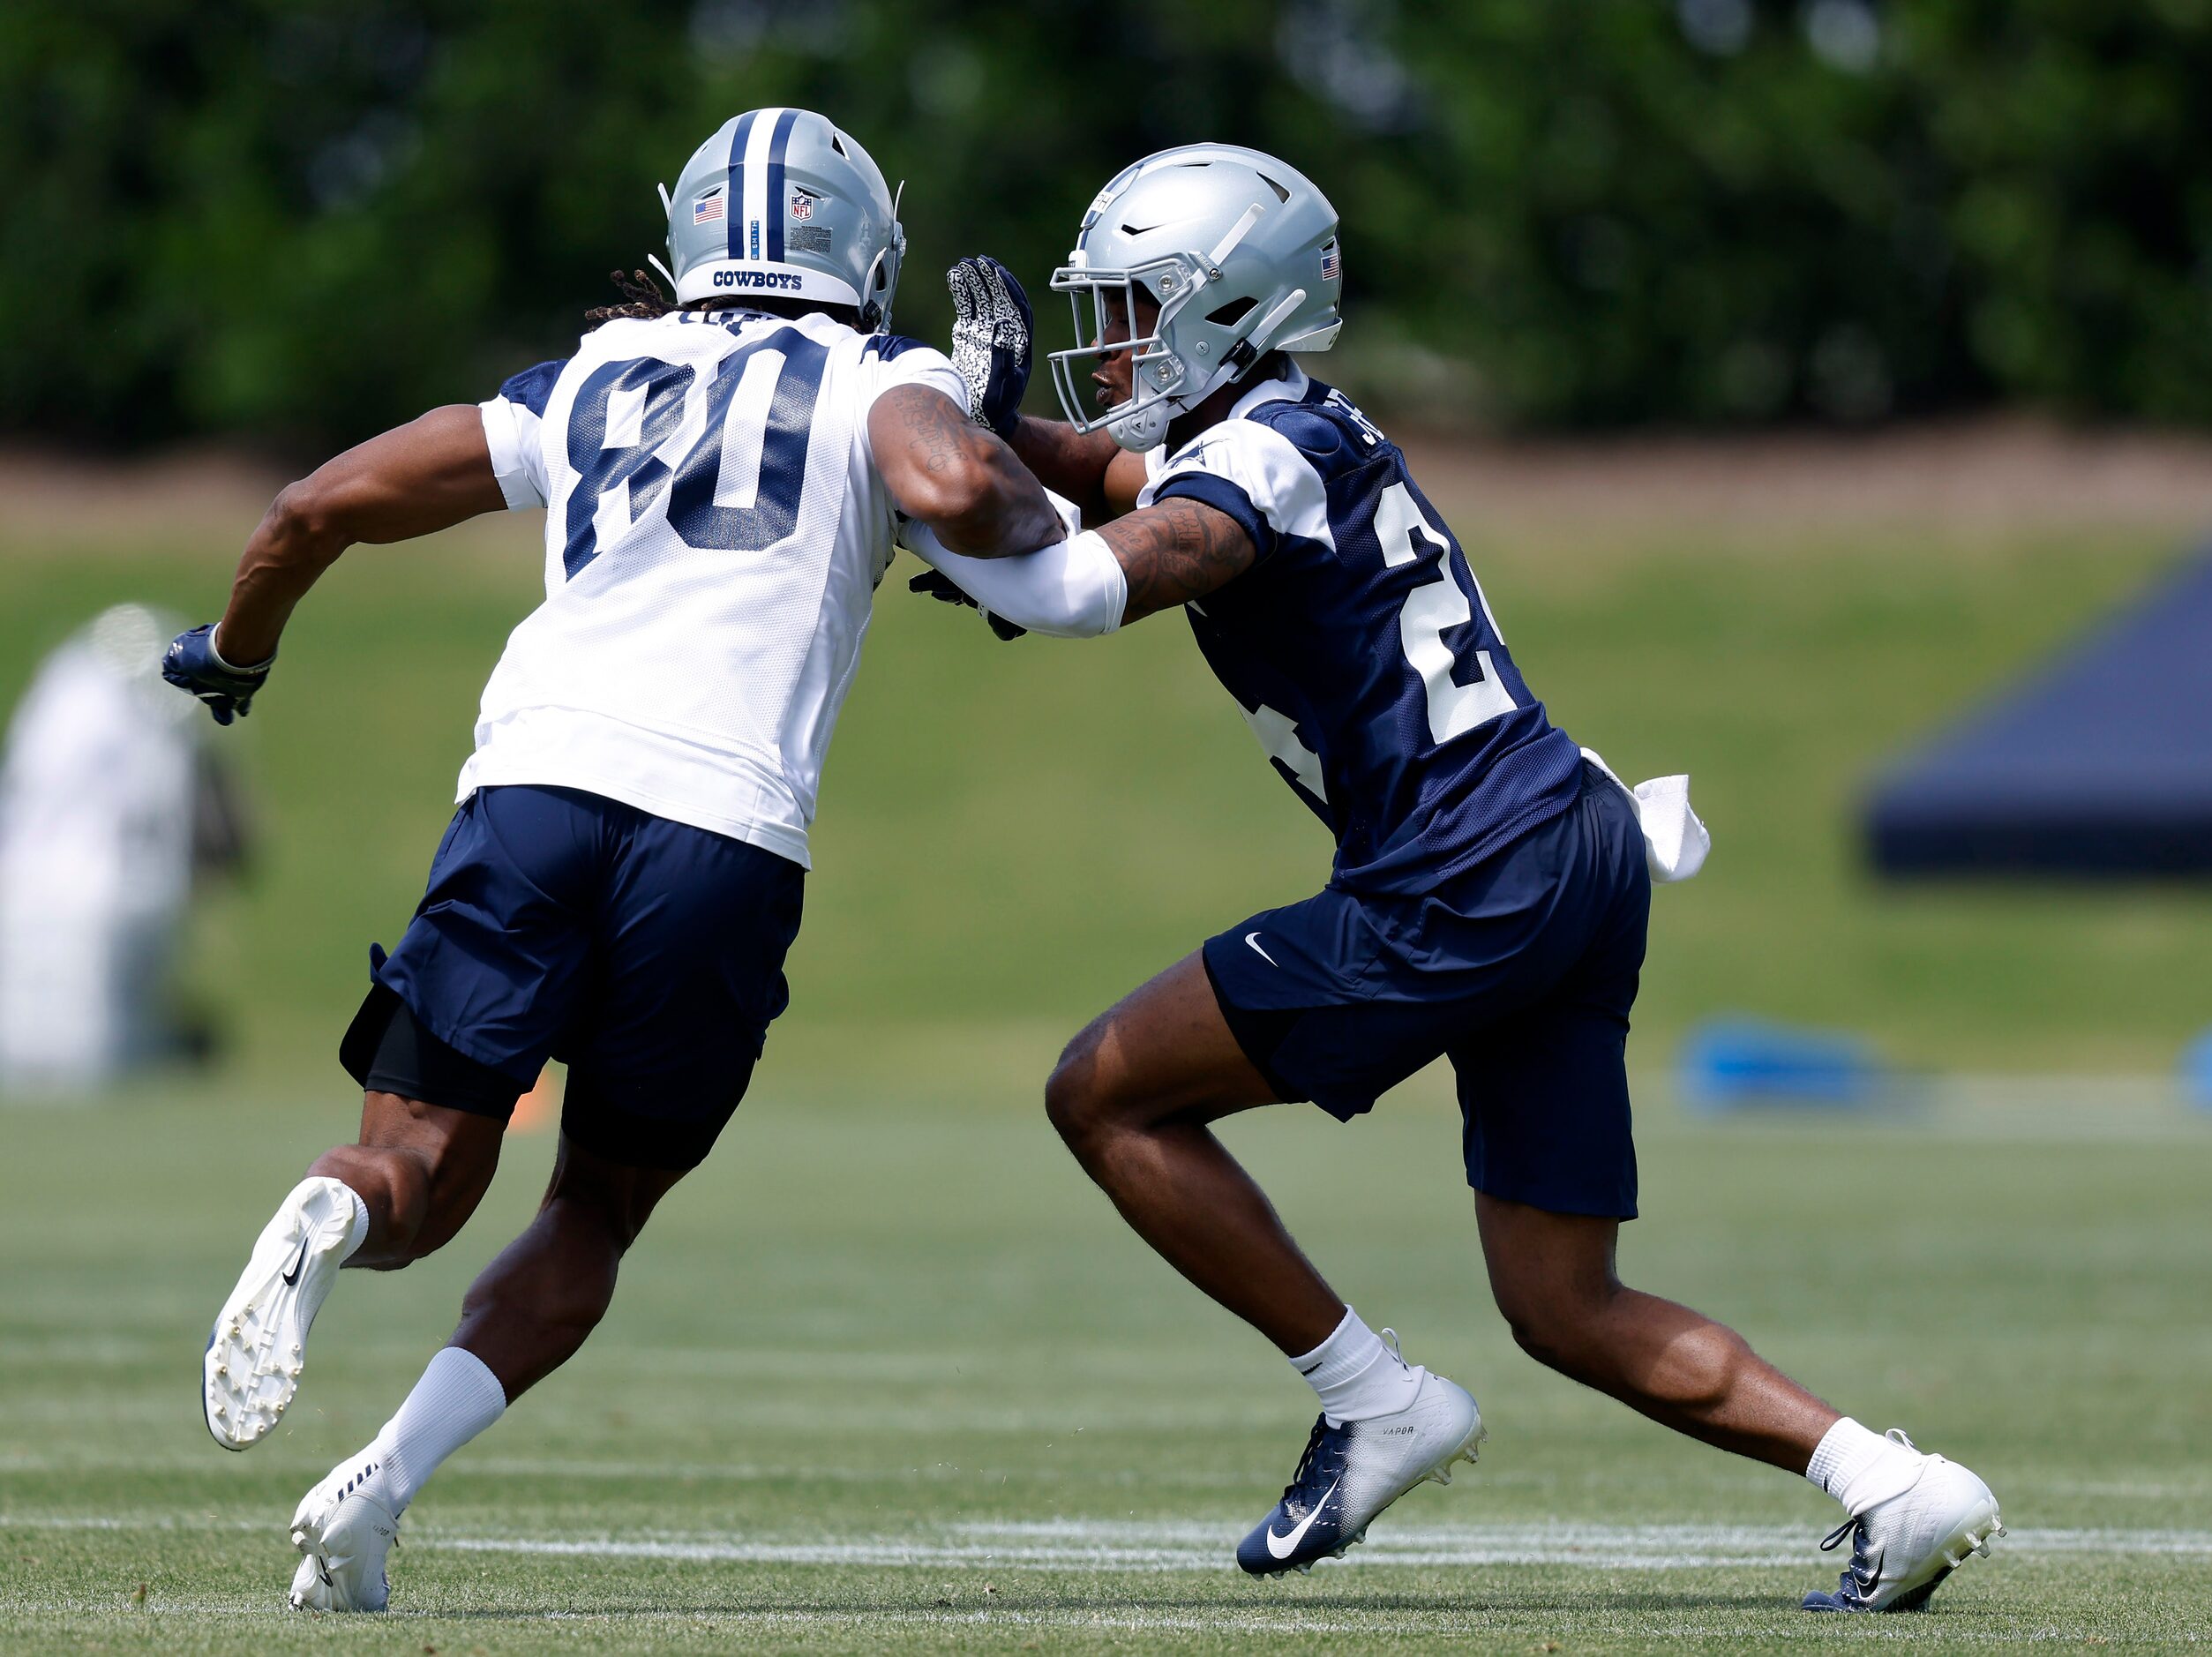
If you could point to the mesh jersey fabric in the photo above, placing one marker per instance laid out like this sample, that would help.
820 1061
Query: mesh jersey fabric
1359 647
715 532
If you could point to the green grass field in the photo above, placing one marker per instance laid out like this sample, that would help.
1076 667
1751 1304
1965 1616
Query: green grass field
887 1373
891 1375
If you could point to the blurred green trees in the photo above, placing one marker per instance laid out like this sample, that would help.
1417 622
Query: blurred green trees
299 219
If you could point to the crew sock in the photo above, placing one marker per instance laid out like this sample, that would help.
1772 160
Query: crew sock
1862 1469
456 1398
1356 1377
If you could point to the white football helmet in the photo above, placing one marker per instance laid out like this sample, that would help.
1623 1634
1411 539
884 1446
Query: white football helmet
781 202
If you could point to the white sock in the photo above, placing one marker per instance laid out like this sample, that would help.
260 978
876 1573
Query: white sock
456 1398
1862 1469
1355 1374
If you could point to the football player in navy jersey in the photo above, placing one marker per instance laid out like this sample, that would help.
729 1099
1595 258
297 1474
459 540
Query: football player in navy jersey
1488 902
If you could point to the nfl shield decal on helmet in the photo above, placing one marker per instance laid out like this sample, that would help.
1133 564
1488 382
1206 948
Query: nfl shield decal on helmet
708 207
802 204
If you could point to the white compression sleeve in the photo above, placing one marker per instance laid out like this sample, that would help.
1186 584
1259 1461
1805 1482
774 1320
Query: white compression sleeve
1072 589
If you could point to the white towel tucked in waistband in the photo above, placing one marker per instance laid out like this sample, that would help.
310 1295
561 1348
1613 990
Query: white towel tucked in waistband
1674 841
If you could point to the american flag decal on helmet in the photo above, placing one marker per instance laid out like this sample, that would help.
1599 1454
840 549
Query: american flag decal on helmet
708 207
1328 260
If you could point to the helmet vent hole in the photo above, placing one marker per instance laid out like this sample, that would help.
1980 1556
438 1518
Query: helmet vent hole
1281 194
1229 315
837 142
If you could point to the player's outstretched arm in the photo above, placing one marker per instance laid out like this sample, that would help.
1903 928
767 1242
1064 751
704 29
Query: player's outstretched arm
1100 579
425 476
1174 550
1090 468
956 477
428 475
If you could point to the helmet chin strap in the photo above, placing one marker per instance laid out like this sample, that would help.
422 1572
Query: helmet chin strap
876 316
668 212
1144 430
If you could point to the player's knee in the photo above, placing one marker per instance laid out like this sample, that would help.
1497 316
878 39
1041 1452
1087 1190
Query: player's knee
1560 1332
1076 1098
396 1188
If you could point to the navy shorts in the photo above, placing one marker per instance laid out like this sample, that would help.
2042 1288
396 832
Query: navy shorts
646 953
1520 970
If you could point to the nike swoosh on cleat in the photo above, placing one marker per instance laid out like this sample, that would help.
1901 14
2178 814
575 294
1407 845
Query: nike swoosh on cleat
1284 1547
298 1260
1253 938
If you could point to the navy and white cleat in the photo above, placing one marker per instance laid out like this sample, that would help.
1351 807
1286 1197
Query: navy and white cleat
259 1345
343 1535
1350 1474
1903 1548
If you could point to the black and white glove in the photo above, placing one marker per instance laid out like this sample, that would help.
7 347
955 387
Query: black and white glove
937 585
991 332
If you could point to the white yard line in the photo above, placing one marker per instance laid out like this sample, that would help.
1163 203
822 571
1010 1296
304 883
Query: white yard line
1077 1545
1120 1545
1228 1619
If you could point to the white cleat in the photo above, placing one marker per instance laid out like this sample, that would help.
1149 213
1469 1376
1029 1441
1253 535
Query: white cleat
343 1535
1901 1550
258 1343
1350 1474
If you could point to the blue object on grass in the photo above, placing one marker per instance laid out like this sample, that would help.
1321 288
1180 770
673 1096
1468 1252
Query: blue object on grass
2196 1071
1729 1064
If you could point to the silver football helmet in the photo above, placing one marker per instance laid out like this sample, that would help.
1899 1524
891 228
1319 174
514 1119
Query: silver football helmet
779 202
1239 251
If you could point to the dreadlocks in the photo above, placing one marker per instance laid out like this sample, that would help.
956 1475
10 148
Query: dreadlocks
643 299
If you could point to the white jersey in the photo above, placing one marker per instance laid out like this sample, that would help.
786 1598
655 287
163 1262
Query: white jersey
715 532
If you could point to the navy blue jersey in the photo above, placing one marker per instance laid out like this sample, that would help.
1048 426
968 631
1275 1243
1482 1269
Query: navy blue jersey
1359 647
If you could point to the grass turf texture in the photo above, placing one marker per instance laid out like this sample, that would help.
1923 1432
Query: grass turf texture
892 1375
1012 835
887 1373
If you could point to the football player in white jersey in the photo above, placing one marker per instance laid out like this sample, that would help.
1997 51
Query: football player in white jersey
623 876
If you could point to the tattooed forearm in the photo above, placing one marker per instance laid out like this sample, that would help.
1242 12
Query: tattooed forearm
1175 552
956 477
933 432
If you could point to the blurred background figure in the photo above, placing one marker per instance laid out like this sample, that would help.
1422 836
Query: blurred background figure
109 806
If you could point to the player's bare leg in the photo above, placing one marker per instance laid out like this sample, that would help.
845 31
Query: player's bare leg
1553 1276
420 1170
409 1185
531 1308
1913 1517
1133 1096
524 1316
